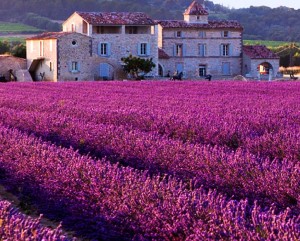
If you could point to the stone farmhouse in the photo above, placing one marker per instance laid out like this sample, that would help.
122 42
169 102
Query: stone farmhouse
91 46
197 46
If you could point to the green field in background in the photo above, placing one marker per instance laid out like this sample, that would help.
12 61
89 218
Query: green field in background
270 44
6 27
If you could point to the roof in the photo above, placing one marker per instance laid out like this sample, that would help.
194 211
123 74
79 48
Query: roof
195 9
119 18
213 24
259 52
51 35
162 54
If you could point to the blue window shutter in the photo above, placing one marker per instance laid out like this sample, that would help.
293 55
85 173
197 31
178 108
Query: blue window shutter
99 49
221 48
108 49
148 49
79 66
70 66
139 49
230 50
183 50
204 49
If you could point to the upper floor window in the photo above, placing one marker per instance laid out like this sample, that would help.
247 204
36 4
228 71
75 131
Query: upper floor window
104 49
74 43
202 34
179 50
143 49
225 49
73 27
41 48
202 50
178 34
225 34
132 30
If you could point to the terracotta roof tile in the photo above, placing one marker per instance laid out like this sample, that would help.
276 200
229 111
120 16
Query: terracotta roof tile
259 52
162 54
119 18
51 35
214 24
195 9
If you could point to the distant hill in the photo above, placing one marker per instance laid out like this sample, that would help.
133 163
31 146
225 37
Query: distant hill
261 23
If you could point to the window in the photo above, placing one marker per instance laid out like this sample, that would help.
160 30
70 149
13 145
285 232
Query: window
202 50
225 34
152 30
75 67
73 27
179 50
41 48
74 43
178 34
51 45
104 49
225 49
51 66
198 17
202 70
31 46
143 49
132 30
202 34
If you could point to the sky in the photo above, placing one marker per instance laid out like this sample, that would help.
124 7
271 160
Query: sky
247 3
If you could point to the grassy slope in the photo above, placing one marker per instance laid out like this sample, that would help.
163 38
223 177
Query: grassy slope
268 43
6 27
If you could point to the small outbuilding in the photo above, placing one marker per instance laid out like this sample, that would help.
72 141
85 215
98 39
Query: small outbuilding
13 69
259 62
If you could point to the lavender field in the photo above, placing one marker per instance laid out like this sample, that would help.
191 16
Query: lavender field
155 160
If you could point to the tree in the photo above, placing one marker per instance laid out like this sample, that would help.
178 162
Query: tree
19 51
137 67
4 47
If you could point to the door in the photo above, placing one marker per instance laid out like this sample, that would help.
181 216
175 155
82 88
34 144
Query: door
226 68
104 70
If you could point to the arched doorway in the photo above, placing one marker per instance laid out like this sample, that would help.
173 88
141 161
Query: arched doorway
264 68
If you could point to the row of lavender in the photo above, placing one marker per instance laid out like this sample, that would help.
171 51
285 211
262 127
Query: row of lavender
57 114
259 117
16 226
139 207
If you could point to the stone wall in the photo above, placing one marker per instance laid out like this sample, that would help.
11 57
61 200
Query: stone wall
8 62
250 66
191 59
122 45
75 48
